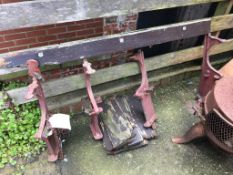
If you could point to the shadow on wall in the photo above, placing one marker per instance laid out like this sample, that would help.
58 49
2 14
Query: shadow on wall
227 34
173 15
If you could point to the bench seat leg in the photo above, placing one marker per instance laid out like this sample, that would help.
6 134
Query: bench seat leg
94 125
144 93
35 89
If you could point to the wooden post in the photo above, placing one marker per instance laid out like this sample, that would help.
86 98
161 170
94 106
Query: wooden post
223 8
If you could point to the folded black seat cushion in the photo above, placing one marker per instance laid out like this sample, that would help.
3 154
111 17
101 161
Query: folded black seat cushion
122 122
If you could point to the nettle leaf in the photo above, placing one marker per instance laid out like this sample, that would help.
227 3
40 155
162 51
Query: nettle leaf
17 128
13 162
4 160
17 109
1 103
18 135
5 97
4 155
1 165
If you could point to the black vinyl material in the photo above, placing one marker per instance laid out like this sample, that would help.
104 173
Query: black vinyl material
122 122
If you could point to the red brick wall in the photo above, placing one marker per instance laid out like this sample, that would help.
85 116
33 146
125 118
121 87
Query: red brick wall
19 39
118 24
25 38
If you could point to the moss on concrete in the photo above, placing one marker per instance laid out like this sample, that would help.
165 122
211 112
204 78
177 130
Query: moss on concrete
86 156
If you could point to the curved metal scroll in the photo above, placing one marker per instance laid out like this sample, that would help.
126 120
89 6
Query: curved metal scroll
209 74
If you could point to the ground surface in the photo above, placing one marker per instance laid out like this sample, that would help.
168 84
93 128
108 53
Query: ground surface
85 156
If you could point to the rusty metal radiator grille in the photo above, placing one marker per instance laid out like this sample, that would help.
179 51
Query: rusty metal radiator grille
219 132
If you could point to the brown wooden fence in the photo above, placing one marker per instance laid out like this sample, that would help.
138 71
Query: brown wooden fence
69 90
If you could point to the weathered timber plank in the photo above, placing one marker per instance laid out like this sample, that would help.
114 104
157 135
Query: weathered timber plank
13 73
75 82
222 22
218 23
41 12
122 85
58 54
74 50
222 8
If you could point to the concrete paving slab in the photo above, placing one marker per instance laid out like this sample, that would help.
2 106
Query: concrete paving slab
84 156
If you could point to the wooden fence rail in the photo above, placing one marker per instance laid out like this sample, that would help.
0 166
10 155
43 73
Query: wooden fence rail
35 13
57 91
76 82
49 52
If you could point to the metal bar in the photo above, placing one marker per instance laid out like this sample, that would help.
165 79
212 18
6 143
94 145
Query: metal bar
62 53
41 12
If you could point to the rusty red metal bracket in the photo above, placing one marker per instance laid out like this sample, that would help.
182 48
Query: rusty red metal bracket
209 74
45 132
143 92
95 128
